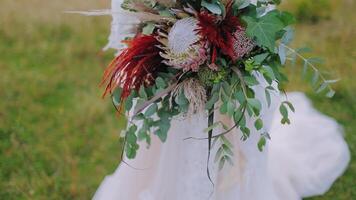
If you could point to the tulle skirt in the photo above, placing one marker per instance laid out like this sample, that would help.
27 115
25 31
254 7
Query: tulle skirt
302 159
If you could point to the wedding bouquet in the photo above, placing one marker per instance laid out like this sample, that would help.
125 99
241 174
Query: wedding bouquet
202 56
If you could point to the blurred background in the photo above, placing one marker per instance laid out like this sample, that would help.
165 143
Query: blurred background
59 138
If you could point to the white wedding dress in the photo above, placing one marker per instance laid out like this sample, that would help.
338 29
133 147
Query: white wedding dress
301 160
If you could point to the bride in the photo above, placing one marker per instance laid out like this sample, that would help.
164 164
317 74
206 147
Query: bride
301 160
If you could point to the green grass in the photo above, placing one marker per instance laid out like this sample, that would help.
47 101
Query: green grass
58 138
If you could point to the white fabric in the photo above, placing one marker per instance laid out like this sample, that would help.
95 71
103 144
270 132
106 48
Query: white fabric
301 160
121 26
307 156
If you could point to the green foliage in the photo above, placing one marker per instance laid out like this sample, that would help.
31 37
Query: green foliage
319 82
284 111
264 30
214 6
148 28
258 124
214 97
224 153
261 143
240 4
131 145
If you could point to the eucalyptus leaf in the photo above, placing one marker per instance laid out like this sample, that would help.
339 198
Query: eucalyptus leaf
282 54
151 110
230 108
261 143
285 121
226 87
322 87
269 72
129 102
148 28
223 108
251 80
315 78
303 50
131 137
139 116
213 99
288 35
260 58
219 154
116 96
268 97
213 126
161 135
283 110
258 124
221 163
164 126
160 83
212 7
239 95
181 99
330 93
290 105
332 81
237 117
241 4
131 145
246 132
261 10
254 103
229 160
130 152
143 93
315 60
226 141
227 150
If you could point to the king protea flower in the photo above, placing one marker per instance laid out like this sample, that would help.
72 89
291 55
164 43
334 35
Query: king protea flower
184 49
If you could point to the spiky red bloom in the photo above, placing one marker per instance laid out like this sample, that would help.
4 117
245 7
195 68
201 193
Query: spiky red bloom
219 32
134 66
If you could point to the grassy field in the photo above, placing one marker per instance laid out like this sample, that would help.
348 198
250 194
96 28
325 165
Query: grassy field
58 138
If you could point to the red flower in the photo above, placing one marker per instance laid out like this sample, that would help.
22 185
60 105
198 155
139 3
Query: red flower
219 32
134 66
